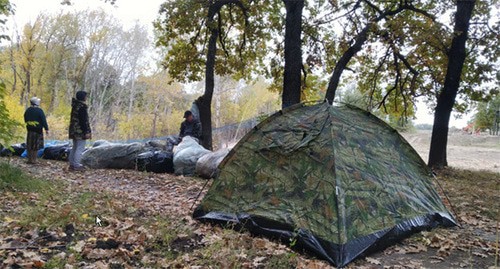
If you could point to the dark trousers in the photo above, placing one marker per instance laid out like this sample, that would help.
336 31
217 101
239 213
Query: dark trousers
34 142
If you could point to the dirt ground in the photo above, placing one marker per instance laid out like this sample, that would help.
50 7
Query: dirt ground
148 221
465 151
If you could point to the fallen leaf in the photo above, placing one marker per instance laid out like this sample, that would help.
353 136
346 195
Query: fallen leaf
78 247
38 264
373 261
482 255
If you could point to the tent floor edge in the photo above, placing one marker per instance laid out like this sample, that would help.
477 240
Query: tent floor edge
339 255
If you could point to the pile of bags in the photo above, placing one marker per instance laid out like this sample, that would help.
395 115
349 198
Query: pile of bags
15 150
187 158
59 152
186 155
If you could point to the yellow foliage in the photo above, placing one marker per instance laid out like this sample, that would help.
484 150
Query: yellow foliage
58 126
16 112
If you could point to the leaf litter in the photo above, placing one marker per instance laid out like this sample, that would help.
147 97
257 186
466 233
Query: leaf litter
147 223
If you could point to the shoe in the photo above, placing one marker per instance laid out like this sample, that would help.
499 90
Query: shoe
76 169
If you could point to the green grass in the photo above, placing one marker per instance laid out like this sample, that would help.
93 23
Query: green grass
49 203
59 210
14 179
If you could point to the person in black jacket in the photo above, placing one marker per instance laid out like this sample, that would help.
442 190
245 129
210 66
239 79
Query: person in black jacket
35 120
190 126
79 130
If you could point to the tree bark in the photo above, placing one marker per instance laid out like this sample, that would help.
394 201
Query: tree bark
293 53
446 98
204 102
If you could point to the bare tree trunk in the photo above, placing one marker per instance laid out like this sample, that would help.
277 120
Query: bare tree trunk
14 68
446 98
131 98
293 53
155 118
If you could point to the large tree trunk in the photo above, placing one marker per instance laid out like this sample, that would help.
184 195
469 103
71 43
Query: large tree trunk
204 102
446 99
293 53
333 84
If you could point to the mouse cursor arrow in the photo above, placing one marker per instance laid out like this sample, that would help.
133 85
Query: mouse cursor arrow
98 221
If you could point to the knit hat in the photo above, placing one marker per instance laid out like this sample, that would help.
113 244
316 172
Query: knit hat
81 95
35 101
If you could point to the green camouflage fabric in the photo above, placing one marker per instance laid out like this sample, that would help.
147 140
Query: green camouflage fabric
79 125
337 172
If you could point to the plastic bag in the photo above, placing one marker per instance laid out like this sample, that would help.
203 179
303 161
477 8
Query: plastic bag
57 152
117 156
206 166
186 154
39 153
172 140
16 150
99 143
157 162
157 144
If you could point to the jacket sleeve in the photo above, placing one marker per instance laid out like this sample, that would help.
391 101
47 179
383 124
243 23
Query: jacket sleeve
198 132
43 120
183 127
83 119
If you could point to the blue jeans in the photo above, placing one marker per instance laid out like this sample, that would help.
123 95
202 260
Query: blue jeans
75 156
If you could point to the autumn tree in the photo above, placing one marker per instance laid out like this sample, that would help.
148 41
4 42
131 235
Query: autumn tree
191 49
56 55
6 122
457 54
487 116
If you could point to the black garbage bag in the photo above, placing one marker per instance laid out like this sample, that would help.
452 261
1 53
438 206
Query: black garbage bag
172 140
57 152
157 144
15 150
156 162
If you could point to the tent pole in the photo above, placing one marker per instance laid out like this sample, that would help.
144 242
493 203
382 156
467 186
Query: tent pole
198 196
447 198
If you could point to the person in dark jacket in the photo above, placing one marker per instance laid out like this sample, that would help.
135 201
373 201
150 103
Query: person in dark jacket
35 120
79 130
190 126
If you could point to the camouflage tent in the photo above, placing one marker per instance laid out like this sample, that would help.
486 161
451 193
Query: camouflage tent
335 180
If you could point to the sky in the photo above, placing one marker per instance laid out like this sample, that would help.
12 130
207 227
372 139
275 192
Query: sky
145 12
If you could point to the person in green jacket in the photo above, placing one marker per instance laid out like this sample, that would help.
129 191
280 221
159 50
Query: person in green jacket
35 120
79 130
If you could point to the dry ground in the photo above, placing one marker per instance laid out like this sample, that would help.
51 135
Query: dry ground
147 222
465 151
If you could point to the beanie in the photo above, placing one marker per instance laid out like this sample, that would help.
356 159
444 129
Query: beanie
81 95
